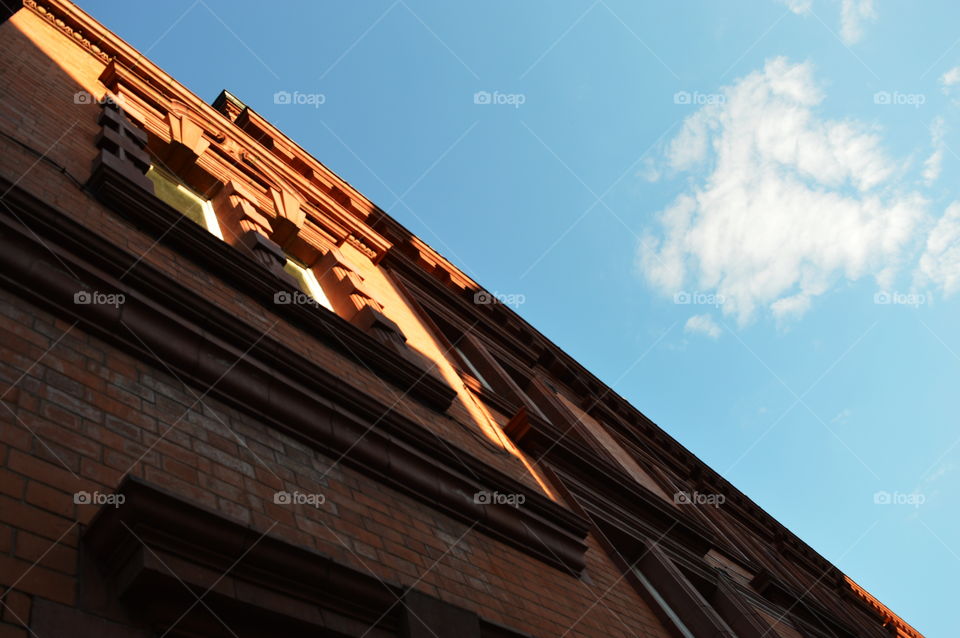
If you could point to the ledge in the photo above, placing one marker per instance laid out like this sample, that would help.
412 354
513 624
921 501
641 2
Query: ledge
210 347
160 221
160 552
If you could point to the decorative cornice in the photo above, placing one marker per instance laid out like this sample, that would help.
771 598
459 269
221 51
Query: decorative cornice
69 26
889 619
272 381
358 243
279 185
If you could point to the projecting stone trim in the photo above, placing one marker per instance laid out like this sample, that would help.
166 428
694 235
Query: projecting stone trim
289 590
60 21
342 285
122 145
186 136
373 321
290 215
349 297
234 206
268 254
260 375
156 545
249 276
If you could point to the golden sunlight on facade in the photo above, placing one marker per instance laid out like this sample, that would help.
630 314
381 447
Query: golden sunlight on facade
242 400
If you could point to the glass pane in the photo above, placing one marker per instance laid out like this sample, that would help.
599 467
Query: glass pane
178 196
297 273
308 283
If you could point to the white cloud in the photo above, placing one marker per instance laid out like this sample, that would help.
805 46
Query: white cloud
649 170
800 7
950 78
853 15
934 163
932 166
949 82
790 202
940 262
702 325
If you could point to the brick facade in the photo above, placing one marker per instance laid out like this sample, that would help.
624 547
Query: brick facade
184 452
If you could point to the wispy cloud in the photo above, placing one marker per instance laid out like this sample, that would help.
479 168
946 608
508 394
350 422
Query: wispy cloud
950 78
702 325
940 262
950 81
800 7
853 15
933 164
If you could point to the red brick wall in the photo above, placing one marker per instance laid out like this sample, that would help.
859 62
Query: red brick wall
80 414
85 414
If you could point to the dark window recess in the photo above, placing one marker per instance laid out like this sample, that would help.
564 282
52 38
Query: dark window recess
682 601
480 370
544 398
722 594
463 352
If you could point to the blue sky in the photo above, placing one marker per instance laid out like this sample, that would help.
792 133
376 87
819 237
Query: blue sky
736 214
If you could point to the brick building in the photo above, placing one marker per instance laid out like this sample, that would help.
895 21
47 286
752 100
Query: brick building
240 400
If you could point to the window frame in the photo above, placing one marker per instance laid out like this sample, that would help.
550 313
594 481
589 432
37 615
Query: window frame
682 597
668 611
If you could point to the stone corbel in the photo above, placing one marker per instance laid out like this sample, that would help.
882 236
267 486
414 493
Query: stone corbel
343 287
378 325
122 145
187 142
350 299
261 237
289 214
268 254
234 206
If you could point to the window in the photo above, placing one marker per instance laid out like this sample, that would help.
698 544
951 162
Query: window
193 206
472 368
606 444
680 600
308 282
460 345
671 614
